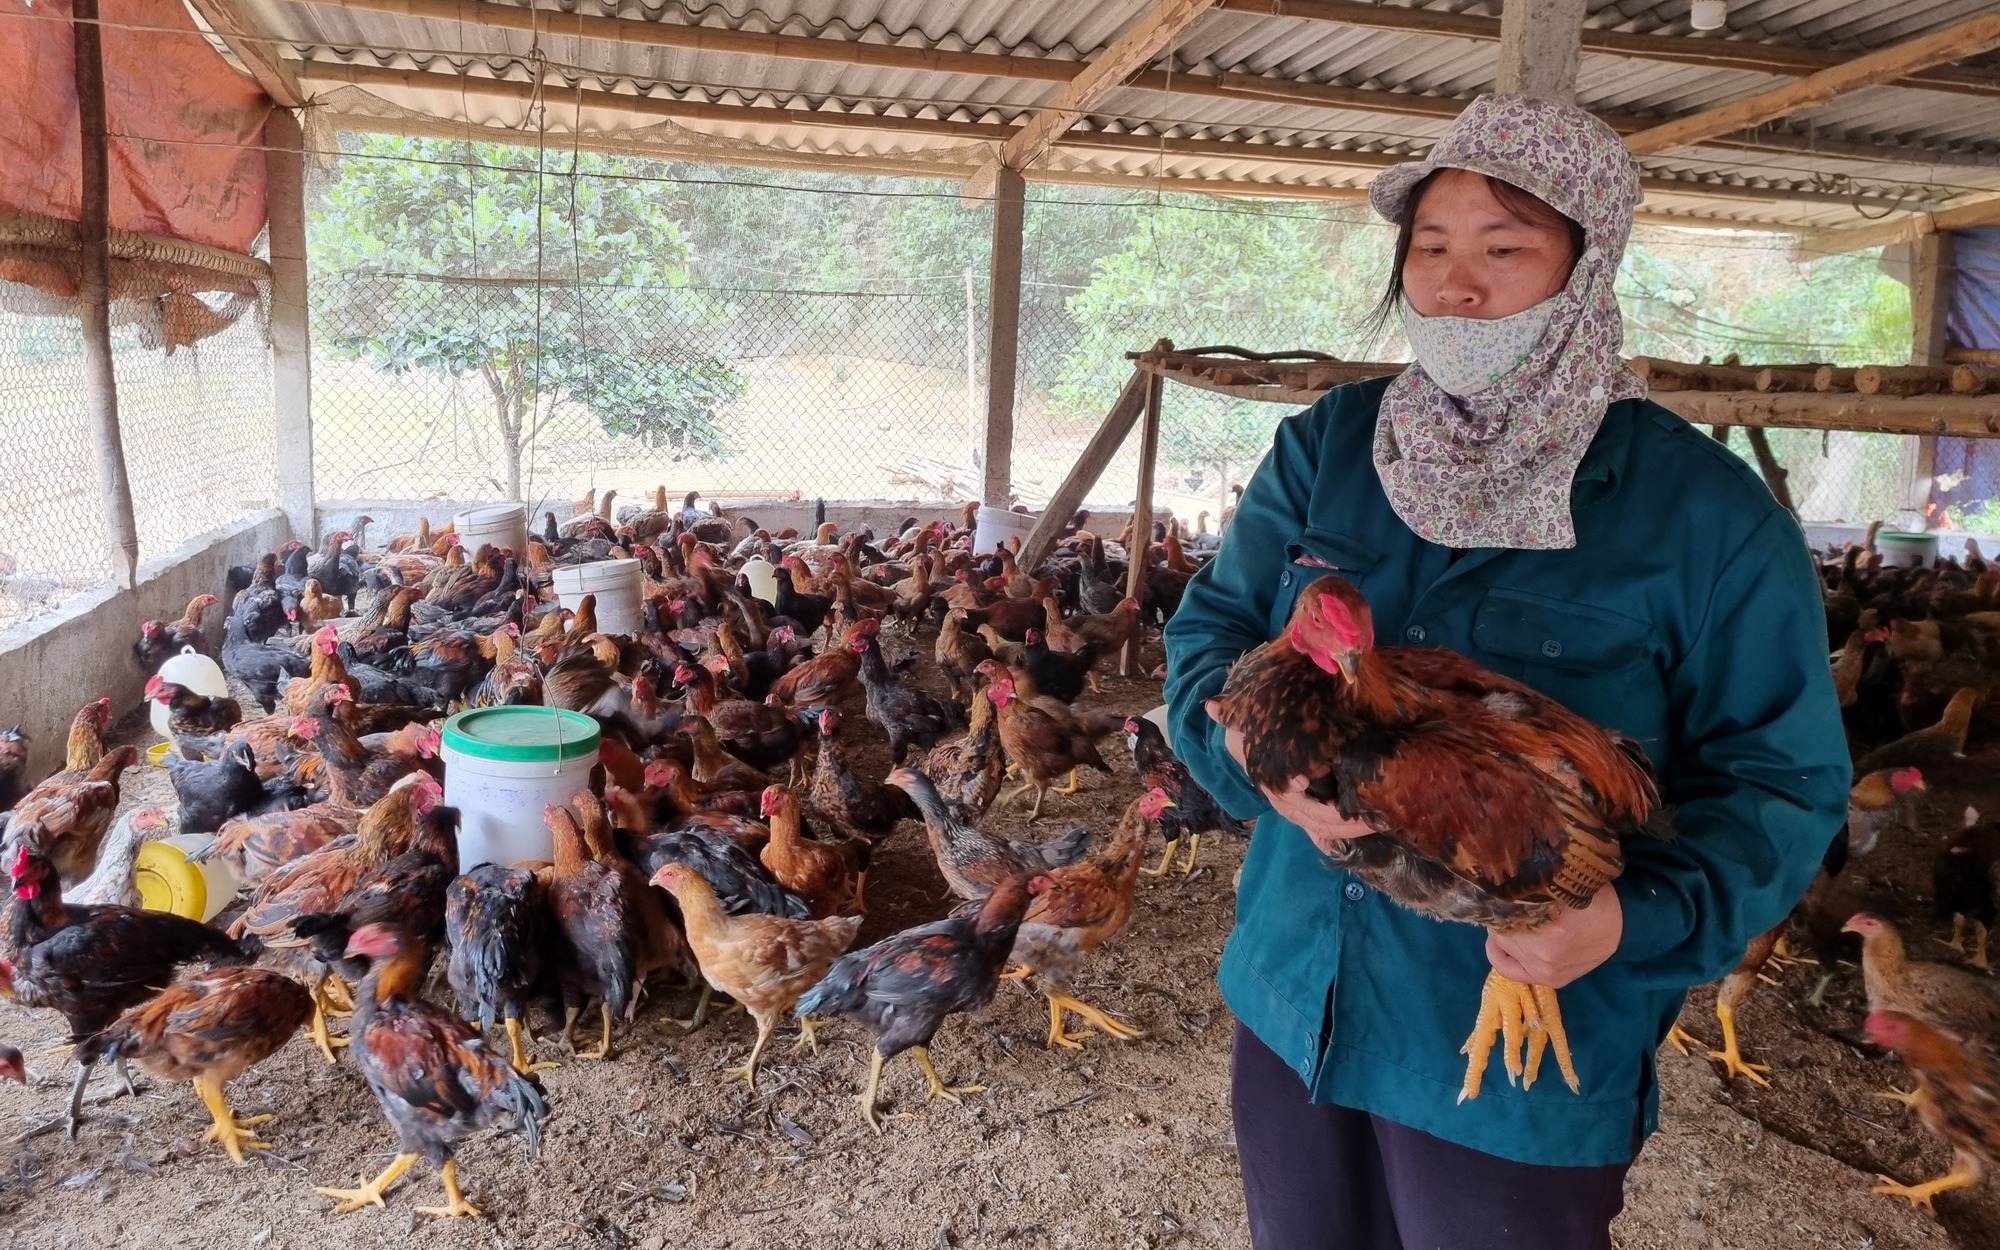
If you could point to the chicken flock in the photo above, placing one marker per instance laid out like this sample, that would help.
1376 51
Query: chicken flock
724 843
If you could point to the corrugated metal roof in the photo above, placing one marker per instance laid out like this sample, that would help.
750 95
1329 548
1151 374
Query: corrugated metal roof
1806 185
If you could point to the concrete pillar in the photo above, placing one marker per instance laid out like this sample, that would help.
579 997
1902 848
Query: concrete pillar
1540 44
291 342
1003 338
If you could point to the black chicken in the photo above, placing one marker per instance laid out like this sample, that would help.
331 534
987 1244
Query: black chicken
92 962
259 665
1194 811
407 890
494 927
911 717
741 883
212 791
905 985
258 604
1058 674
291 583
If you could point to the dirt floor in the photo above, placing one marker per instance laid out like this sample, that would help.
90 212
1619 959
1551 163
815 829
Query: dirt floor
1120 1145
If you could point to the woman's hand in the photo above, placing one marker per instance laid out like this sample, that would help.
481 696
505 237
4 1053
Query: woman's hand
1322 822
1565 948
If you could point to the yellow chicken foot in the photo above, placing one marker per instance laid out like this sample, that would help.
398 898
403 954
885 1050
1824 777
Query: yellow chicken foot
749 1070
1515 1013
1008 799
1166 860
455 1204
1978 959
1021 973
1070 786
1911 1098
232 1133
522 1064
1035 813
370 1194
569 1027
1680 1039
868 1095
1957 942
1733 1063
938 1088
336 994
1963 1172
1059 1036
806 1037
1096 687
1194 850
321 1038
603 1050
694 1021
1781 955
860 900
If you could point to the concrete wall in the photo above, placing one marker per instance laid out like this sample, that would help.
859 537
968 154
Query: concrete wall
399 516
52 665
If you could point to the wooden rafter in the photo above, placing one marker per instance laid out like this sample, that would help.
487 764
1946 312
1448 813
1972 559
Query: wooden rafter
641 32
1984 211
1953 43
1128 54
1713 52
651 106
253 49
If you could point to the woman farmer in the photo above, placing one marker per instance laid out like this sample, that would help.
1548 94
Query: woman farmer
1513 496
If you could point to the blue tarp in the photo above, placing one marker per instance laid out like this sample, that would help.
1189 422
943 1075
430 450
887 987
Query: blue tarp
1971 465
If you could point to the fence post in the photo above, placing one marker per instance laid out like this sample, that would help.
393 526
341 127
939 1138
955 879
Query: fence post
291 343
1139 554
974 446
100 380
1930 304
1003 339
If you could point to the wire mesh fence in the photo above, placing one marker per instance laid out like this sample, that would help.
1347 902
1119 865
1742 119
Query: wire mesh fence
199 444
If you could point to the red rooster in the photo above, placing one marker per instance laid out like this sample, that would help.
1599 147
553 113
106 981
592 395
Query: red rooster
1430 749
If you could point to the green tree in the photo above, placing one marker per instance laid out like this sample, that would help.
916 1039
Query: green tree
555 287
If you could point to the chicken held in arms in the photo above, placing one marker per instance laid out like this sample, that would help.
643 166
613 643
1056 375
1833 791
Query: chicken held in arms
905 985
436 1081
1958 1098
208 1028
1425 747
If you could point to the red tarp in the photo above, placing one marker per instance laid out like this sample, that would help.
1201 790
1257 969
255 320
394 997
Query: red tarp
186 131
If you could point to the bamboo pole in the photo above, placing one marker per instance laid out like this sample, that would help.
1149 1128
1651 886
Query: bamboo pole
1139 555
121 529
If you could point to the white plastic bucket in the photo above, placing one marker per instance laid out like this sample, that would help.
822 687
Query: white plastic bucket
500 524
997 525
762 577
502 765
166 881
195 671
617 584
1905 550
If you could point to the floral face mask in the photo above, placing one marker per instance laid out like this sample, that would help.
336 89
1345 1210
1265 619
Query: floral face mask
1467 355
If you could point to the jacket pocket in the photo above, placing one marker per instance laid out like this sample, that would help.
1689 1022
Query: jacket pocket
1315 554
1559 633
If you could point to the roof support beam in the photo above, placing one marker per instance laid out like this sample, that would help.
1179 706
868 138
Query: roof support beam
1762 58
1540 47
1968 38
329 72
252 48
1130 53
1981 212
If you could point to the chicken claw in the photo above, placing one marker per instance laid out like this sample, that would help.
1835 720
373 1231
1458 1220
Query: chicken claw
370 1194
1166 860
1964 1172
1680 1039
603 1050
1912 1099
867 1099
938 1088
1733 1063
454 1197
522 1064
806 1036
1059 1036
1524 1016
232 1133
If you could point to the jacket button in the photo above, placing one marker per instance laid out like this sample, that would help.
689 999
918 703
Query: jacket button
1354 891
1414 633
1286 580
1552 648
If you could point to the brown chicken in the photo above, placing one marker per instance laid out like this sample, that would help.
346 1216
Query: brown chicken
1111 631
208 1028
355 775
1045 739
1499 806
715 768
858 809
1075 909
1958 1098
257 846
905 985
199 725
959 653
160 641
1881 801
1962 1003
437 1083
1927 748
763 962
316 883
834 677
825 874
316 607
968 772
65 820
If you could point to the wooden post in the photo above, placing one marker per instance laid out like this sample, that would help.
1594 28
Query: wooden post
1138 554
1930 303
291 342
1084 473
100 381
1541 43
1003 338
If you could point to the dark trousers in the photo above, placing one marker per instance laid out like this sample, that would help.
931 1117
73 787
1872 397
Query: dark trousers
1333 1178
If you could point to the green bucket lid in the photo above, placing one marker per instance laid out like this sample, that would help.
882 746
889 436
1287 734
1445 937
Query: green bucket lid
522 735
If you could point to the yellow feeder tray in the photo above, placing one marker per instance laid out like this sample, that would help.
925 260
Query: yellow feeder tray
157 753
166 881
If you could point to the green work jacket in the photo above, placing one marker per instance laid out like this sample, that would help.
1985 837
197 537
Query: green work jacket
1687 615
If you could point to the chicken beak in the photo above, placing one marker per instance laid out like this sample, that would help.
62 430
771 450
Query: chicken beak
1849 928
1347 668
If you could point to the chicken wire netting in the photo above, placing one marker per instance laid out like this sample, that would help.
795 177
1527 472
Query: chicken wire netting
198 435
